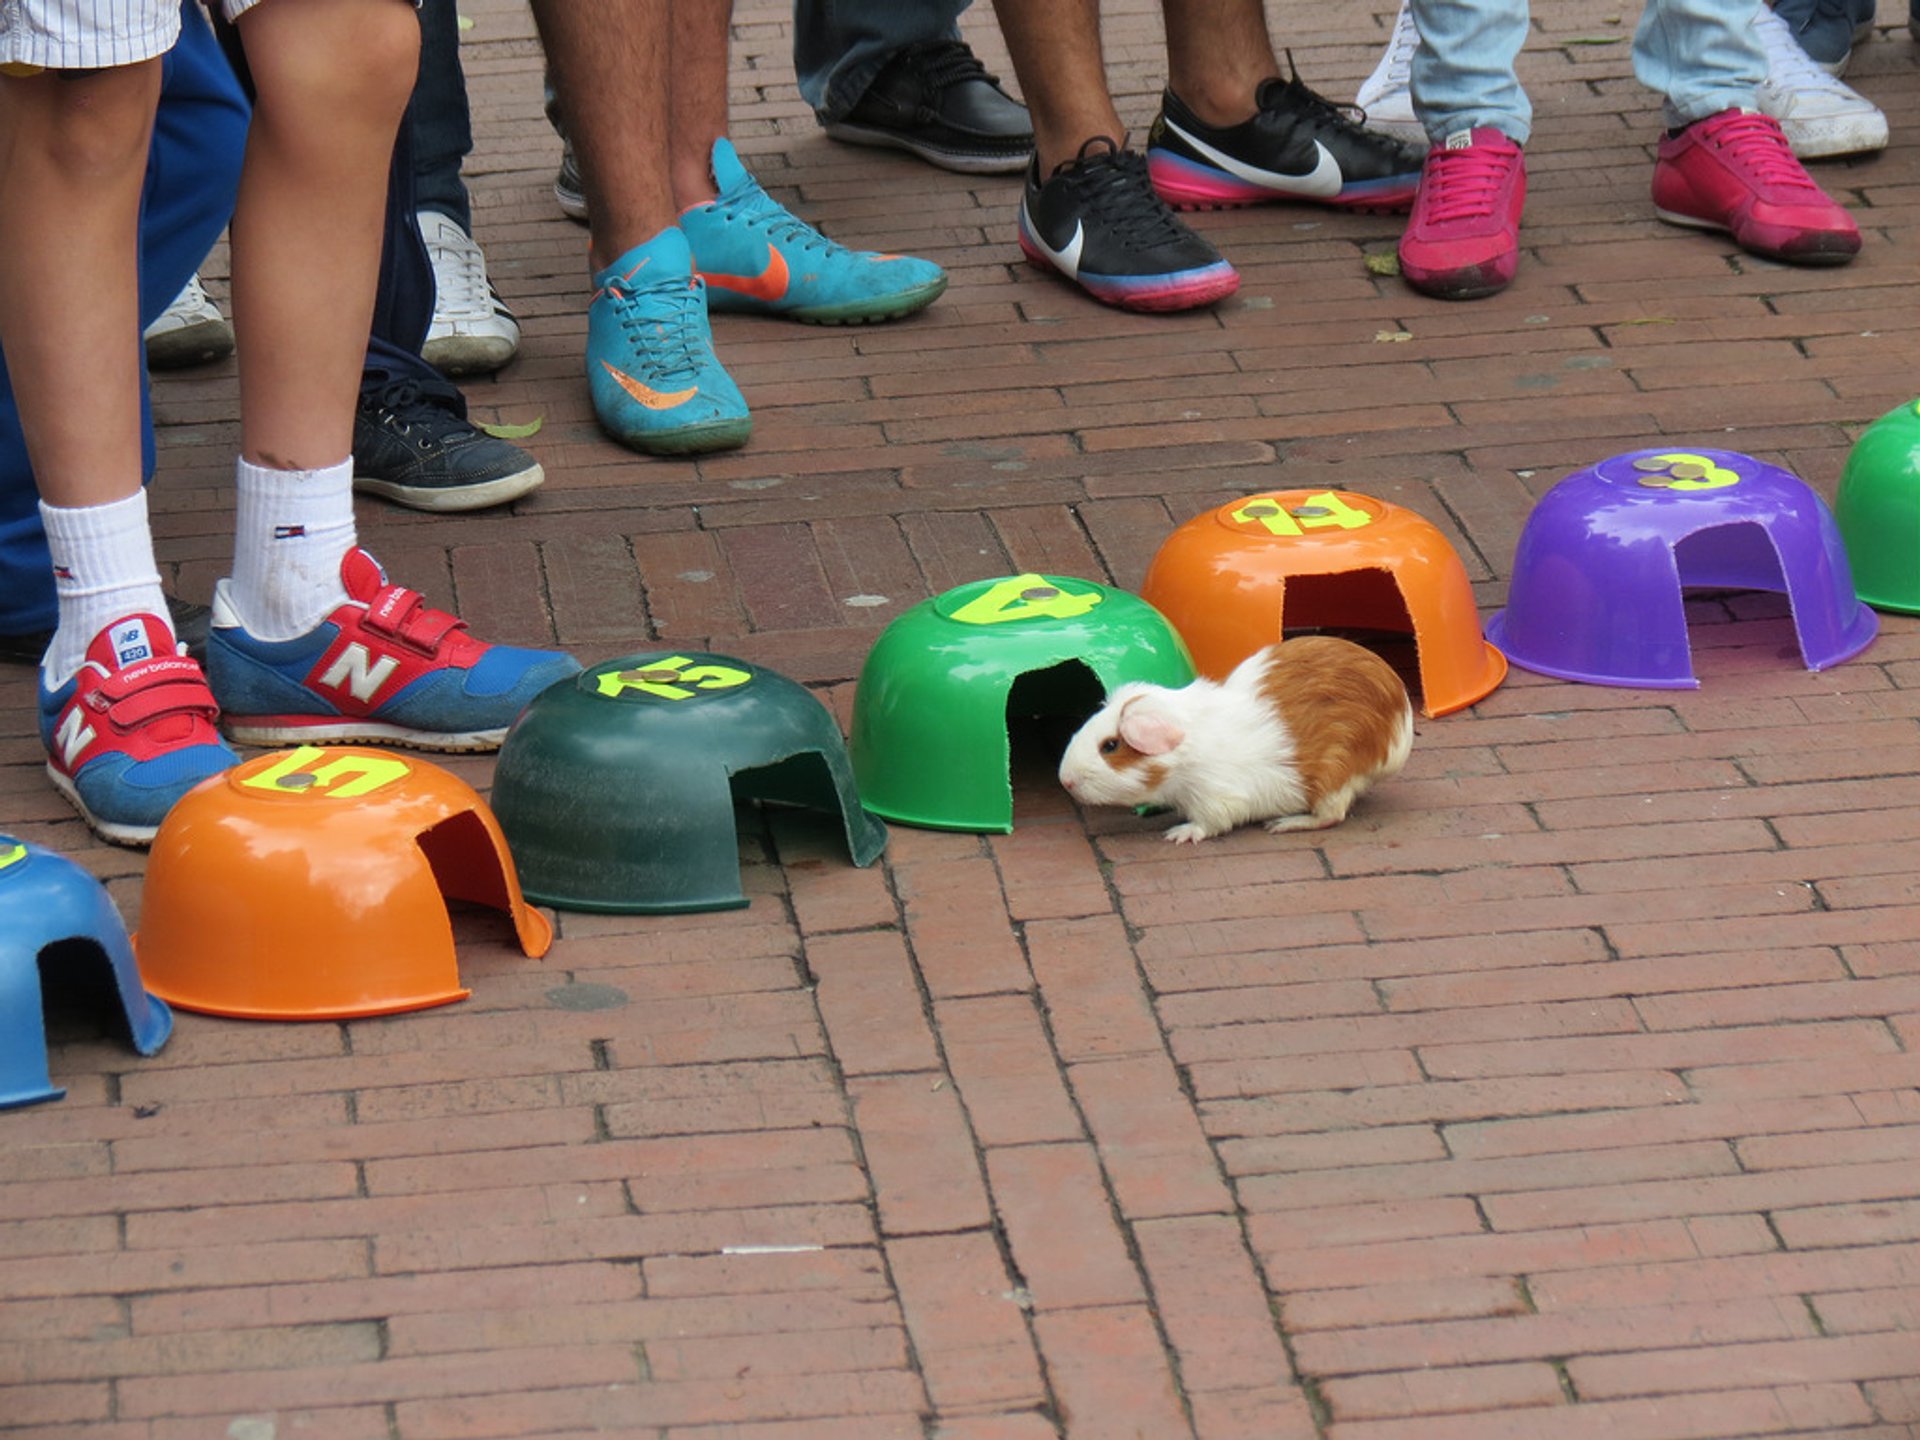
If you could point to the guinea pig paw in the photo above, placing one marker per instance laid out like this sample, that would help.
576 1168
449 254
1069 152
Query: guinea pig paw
1188 834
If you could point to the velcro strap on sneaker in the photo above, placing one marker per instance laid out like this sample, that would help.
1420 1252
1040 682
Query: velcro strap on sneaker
403 615
140 693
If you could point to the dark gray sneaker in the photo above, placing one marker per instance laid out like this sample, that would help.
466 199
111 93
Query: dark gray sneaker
935 99
568 192
413 445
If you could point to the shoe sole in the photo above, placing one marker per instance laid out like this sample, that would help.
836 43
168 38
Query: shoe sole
1863 139
457 355
197 344
1156 294
964 162
277 730
854 312
572 205
1816 247
688 440
447 499
1189 185
134 837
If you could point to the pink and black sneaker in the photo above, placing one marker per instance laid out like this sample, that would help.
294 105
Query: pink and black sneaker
1735 171
1463 239
1097 222
384 667
132 731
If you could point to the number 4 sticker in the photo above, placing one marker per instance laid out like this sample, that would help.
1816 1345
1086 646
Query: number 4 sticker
1025 597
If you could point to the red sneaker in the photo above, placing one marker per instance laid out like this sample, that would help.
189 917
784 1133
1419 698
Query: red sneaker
1463 239
1735 172
133 730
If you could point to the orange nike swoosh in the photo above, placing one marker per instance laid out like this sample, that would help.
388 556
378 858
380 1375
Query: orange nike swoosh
770 284
646 394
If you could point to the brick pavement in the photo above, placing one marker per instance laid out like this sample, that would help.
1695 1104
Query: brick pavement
1568 1090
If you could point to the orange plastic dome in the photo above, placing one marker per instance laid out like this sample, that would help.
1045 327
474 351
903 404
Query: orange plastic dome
1233 578
311 884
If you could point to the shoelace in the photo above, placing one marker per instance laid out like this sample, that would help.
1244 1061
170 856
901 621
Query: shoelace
662 321
1301 102
1463 184
459 274
1113 184
409 402
1400 48
941 63
1754 143
1790 68
757 210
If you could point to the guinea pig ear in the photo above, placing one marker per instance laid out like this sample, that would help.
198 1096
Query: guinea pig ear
1148 729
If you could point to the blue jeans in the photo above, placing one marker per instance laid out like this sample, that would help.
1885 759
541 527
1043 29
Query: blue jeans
193 172
438 121
840 45
1702 55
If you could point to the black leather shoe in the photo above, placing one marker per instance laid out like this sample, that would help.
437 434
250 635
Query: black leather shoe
935 99
190 623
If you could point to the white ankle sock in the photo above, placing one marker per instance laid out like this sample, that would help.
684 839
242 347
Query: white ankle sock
103 570
290 533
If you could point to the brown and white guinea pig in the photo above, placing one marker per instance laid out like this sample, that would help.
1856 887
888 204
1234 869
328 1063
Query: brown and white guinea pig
1293 737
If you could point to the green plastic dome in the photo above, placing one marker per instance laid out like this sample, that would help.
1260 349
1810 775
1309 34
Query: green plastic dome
930 744
616 788
1878 508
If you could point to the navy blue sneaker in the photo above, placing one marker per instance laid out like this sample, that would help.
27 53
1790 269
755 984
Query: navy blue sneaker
383 667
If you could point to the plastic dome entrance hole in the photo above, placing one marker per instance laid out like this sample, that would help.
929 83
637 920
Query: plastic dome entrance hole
1603 563
1233 579
312 884
930 740
60 934
616 789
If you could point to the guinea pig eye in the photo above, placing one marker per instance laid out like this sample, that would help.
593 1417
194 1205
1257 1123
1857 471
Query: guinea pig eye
1109 745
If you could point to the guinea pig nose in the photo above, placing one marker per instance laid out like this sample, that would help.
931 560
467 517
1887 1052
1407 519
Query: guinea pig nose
1068 781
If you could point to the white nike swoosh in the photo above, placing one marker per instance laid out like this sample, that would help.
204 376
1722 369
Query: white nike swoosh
1066 261
1323 180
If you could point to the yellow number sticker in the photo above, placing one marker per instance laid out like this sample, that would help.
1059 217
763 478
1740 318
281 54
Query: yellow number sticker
342 777
669 679
12 854
1681 471
1025 597
1325 510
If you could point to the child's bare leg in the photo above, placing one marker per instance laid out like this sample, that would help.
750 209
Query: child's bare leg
698 103
73 155
333 78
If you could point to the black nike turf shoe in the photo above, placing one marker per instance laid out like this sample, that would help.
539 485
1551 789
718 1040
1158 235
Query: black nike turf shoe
1297 146
1097 221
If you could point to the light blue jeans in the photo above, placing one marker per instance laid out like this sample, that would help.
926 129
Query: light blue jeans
840 45
1702 55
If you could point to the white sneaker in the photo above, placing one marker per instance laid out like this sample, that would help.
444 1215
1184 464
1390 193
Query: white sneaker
1819 113
1387 94
190 331
473 332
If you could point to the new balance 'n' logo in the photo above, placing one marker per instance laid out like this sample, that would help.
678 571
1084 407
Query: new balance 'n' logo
73 736
353 673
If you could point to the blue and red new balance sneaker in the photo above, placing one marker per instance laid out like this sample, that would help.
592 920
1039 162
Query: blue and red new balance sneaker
758 258
132 731
383 667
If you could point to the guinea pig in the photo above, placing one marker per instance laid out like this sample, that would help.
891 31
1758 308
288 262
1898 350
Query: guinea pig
1293 737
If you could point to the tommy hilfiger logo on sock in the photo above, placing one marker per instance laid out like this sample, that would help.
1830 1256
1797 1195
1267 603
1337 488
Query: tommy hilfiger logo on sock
61 572
289 532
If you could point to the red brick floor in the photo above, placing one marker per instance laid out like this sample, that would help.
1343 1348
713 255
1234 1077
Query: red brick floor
1568 1090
